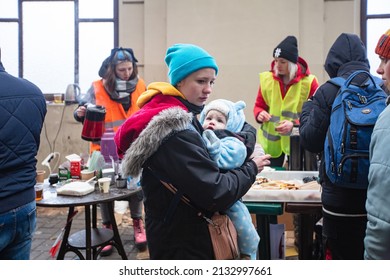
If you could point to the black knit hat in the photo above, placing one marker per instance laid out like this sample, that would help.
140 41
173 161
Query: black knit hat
287 49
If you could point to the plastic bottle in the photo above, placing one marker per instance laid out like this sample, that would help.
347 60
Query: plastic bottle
108 146
133 183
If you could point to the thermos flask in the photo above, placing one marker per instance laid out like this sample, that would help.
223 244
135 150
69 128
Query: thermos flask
93 126
295 161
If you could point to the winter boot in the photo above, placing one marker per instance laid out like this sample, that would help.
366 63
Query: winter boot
107 250
139 233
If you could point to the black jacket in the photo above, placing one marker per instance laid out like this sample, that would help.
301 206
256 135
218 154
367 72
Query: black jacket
171 145
346 55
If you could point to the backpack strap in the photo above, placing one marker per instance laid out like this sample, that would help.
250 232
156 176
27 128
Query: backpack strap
378 81
373 80
337 81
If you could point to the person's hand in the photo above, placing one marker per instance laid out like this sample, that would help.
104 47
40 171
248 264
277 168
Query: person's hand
263 116
285 127
258 151
80 111
262 161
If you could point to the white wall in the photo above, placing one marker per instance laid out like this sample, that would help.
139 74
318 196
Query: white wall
241 35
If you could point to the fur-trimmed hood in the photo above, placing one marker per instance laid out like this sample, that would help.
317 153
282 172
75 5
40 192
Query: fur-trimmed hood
166 123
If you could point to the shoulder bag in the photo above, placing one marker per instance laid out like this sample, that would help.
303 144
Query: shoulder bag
222 231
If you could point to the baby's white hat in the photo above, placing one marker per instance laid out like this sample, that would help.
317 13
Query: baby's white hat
234 113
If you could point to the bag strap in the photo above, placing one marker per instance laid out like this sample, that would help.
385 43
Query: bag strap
340 81
178 194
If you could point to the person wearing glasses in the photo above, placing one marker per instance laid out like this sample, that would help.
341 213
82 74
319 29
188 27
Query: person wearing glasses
118 91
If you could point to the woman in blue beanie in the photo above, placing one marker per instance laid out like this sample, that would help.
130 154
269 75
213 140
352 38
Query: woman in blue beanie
163 140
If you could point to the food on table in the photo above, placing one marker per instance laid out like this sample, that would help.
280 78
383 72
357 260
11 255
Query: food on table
263 183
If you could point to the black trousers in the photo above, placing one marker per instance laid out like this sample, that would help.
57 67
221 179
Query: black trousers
277 162
343 237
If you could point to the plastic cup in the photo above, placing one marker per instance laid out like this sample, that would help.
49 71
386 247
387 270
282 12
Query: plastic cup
38 192
40 176
57 98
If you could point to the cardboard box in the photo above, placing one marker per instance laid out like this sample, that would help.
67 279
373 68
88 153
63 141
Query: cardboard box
288 220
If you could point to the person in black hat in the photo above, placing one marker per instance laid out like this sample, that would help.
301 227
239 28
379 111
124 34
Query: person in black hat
280 97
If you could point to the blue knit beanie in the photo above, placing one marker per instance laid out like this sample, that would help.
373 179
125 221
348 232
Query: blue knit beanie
184 59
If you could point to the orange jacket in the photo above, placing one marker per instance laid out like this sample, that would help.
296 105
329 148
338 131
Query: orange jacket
115 114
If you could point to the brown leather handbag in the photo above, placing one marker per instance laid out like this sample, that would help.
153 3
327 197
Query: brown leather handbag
223 234
223 237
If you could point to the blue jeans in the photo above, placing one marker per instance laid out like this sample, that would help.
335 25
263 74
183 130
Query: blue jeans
17 227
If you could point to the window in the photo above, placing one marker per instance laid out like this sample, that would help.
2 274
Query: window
375 20
57 42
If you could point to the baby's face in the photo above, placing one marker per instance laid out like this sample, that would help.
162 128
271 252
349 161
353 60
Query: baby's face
214 120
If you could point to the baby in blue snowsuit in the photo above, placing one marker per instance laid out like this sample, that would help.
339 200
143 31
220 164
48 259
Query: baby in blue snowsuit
230 152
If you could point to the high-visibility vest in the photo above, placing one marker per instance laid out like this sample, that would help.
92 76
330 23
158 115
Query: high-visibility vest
115 114
287 108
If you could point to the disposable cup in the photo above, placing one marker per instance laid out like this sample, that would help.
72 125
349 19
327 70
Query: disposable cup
87 174
40 176
38 191
104 184
58 98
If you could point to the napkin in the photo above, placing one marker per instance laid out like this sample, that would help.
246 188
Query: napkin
76 189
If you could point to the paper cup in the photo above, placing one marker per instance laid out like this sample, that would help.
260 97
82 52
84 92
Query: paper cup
104 184
87 174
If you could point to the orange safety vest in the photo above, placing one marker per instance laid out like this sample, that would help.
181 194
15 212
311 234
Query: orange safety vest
115 114
288 108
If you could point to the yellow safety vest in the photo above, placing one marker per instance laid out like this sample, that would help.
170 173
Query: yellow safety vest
288 108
